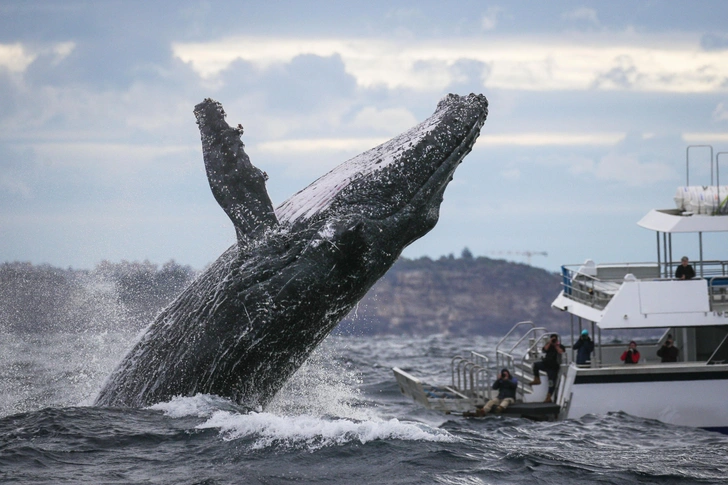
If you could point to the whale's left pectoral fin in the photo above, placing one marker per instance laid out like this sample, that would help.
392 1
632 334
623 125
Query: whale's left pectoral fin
238 186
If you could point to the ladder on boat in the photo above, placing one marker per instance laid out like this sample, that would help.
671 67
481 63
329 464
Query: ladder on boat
520 356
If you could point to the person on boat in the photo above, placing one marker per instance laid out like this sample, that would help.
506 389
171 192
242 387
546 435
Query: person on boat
631 355
584 348
506 386
668 352
685 271
551 364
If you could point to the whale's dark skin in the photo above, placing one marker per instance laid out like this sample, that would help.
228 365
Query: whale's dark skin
245 325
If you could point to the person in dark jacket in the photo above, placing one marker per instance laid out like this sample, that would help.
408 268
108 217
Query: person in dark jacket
584 348
631 355
668 352
551 364
506 386
684 271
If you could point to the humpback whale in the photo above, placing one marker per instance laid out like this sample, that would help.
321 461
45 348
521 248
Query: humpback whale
251 319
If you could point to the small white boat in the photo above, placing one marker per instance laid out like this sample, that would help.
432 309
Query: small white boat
623 298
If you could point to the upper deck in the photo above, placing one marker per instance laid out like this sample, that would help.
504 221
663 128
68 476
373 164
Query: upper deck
645 295
639 295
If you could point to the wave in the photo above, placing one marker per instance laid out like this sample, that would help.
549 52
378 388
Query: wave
266 429
313 432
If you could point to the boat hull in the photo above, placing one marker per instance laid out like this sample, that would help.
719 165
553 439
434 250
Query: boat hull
681 394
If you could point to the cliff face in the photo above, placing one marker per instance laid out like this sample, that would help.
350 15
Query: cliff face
458 296
462 296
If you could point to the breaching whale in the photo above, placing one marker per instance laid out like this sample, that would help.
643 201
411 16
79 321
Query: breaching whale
248 322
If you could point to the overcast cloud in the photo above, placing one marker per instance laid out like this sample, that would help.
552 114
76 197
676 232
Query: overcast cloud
591 107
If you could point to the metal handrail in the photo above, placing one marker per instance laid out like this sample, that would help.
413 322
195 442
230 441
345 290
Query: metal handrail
687 162
525 322
463 363
483 362
507 359
534 345
475 382
452 371
467 369
717 180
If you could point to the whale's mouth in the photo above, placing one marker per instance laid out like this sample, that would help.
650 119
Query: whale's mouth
407 170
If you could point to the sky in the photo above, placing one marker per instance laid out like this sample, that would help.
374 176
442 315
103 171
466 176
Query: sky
592 106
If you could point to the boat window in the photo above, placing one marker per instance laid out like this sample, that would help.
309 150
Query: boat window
720 356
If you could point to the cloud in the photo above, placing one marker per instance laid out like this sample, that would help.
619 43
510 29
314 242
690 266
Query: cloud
551 139
469 72
511 174
12 186
714 42
705 137
316 145
15 57
582 14
490 18
720 113
388 119
638 62
629 170
624 75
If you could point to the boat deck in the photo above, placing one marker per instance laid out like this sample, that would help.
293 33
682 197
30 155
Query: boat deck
451 401
537 411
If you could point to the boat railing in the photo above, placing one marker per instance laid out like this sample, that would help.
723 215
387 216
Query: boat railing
590 290
506 358
498 353
718 291
455 374
597 290
535 344
470 375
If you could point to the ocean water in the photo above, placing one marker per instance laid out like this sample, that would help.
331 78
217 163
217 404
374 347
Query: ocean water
341 419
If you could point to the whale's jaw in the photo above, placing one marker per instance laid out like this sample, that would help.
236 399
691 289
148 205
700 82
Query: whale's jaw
245 325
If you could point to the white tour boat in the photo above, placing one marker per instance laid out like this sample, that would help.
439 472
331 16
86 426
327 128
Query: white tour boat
625 298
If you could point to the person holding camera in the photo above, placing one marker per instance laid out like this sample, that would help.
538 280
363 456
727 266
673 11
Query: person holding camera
584 348
551 364
668 352
631 355
506 386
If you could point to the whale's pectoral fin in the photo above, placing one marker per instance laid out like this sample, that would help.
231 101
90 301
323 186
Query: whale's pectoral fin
238 186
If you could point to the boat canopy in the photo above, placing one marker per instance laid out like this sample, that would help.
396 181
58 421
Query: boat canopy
673 221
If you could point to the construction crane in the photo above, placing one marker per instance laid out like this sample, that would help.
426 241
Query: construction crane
527 254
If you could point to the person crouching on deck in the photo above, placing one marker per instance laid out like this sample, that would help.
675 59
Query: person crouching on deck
506 386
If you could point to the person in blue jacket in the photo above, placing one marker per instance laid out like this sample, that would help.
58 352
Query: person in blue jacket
584 348
506 386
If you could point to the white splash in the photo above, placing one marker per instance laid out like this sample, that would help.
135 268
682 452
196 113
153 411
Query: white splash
200 405
313 433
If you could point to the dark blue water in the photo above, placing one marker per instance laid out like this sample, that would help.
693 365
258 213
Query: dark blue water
340 420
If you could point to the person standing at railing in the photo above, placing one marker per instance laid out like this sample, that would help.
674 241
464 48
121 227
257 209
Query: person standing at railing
551 364
685 271
631 355
584 348
506 386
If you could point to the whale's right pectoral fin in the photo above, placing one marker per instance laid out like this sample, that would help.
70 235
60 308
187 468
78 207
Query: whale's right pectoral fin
238 186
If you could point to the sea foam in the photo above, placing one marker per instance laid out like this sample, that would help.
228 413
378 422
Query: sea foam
312 432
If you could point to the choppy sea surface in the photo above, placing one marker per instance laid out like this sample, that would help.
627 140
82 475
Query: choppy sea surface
341 419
